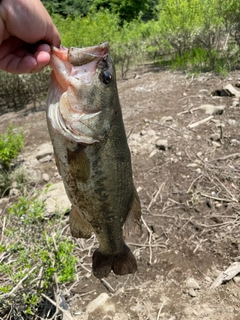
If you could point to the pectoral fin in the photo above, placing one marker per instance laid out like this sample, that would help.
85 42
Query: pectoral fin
79 227
79 164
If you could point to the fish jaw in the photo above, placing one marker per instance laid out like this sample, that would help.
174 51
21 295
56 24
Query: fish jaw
76 64
74 70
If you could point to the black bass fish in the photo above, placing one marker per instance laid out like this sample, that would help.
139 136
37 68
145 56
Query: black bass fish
92 155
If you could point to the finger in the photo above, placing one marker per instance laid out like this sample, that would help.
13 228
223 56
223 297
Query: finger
14 64
15 56
42 59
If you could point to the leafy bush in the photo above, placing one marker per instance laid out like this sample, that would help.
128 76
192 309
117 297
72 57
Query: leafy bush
16 91
11 144
40 261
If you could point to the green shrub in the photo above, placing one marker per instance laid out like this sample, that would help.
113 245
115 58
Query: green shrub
11 143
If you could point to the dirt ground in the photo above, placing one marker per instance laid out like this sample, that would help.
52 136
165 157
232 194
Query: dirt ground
189 190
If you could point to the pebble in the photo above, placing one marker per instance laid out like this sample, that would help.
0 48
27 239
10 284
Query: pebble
237 279
191 283
162 144
155 151
120 316
167 119
203 91
151 132
216 144
14 192
45 159
44 150
208 279
45 177
232 122
14 184
102 301
215 137
143 133
192 292
56 198
235 102
212 110
192 165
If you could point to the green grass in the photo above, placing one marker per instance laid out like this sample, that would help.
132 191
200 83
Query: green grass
35 254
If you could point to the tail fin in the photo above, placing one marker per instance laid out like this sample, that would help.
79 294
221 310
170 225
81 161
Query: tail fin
121 263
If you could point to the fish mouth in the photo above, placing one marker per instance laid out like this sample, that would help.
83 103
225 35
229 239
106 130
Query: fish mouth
73 68
76 64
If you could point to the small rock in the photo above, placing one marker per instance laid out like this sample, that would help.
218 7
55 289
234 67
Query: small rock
203 91
216 144
155 151
3 201
231 90
44 150
215 137
56 198
191 283
212 110
14 192
236 279
162 144
198 170
151 132
45 159
192 165
120 316
235 102
208 279
232 122
192 292
143 133
102 301
235 142
45 177
167 119
14 184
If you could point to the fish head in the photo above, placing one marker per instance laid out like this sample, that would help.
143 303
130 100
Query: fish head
82 97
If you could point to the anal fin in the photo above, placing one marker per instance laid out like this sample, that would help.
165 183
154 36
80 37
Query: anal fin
132 224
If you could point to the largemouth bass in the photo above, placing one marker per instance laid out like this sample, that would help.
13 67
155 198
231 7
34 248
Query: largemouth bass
92 155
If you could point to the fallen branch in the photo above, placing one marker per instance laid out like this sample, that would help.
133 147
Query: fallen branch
194 125
189 111
233 155
148 245
217 199
227 275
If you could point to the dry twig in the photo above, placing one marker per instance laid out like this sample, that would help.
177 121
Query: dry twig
19 283
196 124
65 312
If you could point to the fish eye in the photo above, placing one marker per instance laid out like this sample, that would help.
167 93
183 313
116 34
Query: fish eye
105 76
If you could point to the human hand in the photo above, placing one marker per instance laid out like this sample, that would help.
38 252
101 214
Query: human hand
26 33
